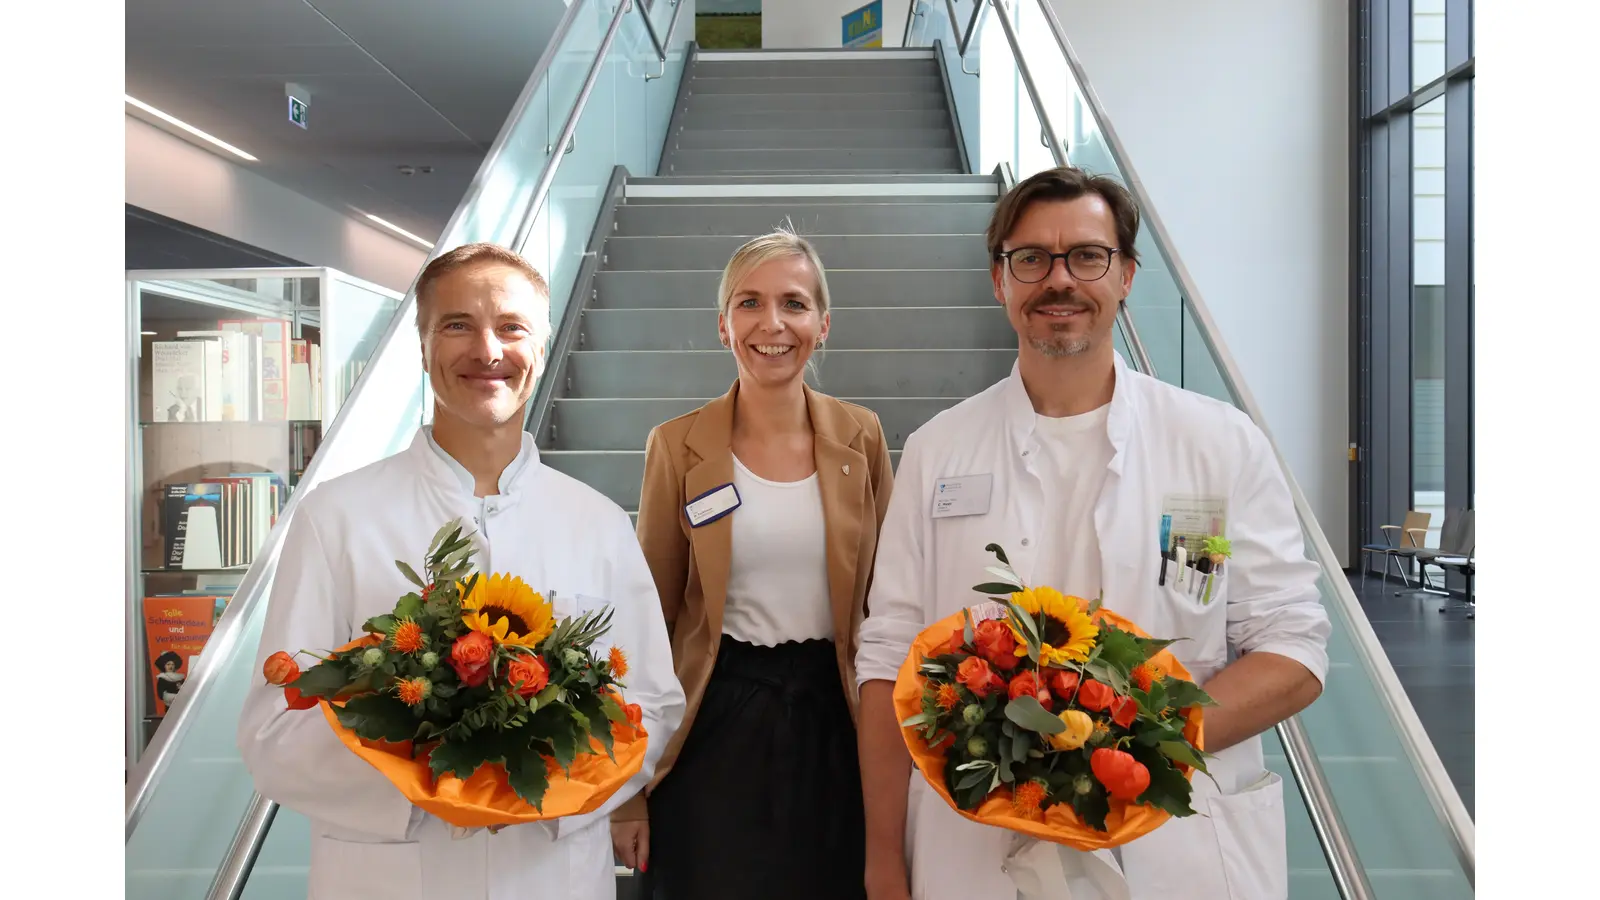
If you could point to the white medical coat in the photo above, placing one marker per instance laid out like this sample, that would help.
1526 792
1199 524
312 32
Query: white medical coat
1166 441
337 570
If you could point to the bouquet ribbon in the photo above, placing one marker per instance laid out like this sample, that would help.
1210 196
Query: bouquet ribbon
486 798
1046 871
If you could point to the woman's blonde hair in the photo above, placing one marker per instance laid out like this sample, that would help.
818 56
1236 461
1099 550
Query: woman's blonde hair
758 251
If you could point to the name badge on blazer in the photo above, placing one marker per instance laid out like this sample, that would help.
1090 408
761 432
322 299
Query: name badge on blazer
712 505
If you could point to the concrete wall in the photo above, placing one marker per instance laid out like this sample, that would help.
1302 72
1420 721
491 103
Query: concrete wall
1235 118
171 176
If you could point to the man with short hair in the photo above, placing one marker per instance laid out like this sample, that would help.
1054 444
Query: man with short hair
1081 469
483 315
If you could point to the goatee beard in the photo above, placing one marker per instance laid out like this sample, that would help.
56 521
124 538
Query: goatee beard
1061 347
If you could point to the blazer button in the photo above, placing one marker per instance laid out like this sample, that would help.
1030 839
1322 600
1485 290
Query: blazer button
1024 542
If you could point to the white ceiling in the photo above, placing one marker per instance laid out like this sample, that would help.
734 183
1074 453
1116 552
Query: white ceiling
393 83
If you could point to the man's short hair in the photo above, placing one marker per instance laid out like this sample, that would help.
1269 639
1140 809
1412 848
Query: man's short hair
1065 183
468 255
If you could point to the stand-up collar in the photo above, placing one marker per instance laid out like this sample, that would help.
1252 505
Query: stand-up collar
1021 418
453 472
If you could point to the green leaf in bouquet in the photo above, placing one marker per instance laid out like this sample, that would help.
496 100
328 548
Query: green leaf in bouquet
1152 646
919 719
444 690
1120 648
409 607
379 625
967 635
1092 807
996 588
1156 700
1027 712
457 757
1182 752
565 743
1098 602
1101 671
525 773
1184 694
1020 746
325 679
1169 790
378 717
411 574
613 710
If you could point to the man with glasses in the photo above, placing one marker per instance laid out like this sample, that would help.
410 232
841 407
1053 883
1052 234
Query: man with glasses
1088 474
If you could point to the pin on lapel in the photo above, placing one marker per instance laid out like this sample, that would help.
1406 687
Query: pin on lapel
846 468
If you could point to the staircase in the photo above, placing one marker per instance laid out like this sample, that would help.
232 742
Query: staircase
870 175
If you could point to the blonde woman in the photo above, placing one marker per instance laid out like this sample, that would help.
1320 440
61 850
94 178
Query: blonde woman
759 519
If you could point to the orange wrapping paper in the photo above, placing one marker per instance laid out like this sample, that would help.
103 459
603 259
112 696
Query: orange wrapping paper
485 798
1061 824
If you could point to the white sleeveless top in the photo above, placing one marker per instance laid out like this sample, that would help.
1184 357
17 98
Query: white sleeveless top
778 570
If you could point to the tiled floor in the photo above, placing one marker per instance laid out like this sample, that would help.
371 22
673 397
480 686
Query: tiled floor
1432 652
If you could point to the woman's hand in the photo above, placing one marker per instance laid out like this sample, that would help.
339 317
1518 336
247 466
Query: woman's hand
631 841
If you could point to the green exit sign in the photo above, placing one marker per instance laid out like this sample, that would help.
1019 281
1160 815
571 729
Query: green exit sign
297 111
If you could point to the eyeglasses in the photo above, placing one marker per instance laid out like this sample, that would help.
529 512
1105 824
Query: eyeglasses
1087 262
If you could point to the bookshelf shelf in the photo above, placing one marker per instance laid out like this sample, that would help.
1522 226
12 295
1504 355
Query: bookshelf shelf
235 376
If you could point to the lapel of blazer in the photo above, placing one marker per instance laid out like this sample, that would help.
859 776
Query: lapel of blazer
844 479
710 439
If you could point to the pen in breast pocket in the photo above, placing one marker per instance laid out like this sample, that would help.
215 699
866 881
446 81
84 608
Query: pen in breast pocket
1166 548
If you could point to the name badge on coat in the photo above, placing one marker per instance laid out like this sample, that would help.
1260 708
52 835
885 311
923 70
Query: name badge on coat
712 505
967 495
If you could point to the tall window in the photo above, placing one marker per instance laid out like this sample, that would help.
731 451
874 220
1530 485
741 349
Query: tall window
1411 313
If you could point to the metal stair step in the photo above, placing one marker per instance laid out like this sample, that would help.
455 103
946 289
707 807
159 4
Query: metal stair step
876 159
618 474
849 287
703 116
813 68
624 424
788 138
813 218
868 100
886 251
706 84
879 328
866 373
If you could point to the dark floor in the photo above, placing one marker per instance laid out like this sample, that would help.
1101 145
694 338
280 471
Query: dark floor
1432 652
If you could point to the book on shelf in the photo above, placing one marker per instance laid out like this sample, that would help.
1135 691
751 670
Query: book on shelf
220 523
176 628
244 370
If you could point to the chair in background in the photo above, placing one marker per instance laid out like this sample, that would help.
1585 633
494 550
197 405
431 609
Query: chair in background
1413 536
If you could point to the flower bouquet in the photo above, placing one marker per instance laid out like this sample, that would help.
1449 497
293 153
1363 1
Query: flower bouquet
1051 716
474 701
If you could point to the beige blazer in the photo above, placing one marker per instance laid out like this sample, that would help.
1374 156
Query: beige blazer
691 455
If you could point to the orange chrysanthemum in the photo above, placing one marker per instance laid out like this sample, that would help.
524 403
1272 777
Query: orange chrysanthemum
1026 797
1146 674
407 636
413 691
1101 726
948 697
619 663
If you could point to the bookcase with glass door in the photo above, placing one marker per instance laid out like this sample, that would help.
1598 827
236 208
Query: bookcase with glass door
235 376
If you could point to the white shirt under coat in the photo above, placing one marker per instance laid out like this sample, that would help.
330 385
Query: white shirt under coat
337 570
1163 441
778 562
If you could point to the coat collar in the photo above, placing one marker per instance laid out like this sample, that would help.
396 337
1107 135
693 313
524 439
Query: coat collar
1021 419
843 478
445 472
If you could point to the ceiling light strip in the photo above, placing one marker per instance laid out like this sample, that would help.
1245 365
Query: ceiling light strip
400 231
187 127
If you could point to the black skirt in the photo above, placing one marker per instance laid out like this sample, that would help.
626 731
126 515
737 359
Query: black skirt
764 800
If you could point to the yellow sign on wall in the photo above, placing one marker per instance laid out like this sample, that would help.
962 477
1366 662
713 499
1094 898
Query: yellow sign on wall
863 27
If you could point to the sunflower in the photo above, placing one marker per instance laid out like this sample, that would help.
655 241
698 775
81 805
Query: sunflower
1067 635
507 610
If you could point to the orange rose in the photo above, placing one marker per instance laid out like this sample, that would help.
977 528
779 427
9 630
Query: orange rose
1095 696
635 715
527 675
470 657
280 668
1028 683
996 644
978 677
1124 710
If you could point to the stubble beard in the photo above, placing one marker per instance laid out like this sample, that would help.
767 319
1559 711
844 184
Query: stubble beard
1061 346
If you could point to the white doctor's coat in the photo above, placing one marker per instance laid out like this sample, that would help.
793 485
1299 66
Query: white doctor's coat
1165 442
337 570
